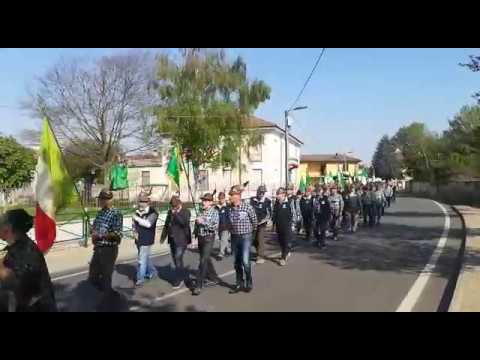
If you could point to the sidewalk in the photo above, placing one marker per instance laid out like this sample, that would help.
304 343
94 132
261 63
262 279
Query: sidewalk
75 258
467 292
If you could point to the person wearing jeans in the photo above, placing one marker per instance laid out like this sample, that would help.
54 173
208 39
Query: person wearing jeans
145 225
177 227
207 226
243 224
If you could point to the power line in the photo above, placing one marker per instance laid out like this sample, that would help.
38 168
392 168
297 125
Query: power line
308 79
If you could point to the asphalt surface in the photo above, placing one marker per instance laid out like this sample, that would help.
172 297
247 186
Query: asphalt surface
372 270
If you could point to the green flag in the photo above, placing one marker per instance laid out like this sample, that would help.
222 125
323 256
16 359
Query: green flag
173 168
302 186
308 180
119 177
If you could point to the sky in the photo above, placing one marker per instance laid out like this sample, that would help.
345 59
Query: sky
355 96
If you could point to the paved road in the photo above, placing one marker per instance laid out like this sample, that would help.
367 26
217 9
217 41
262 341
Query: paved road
375 269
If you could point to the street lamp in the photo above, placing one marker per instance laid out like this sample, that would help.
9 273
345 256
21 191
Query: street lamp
287 112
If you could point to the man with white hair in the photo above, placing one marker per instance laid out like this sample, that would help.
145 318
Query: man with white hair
144 226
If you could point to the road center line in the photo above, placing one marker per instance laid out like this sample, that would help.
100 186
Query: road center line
184 290
418 286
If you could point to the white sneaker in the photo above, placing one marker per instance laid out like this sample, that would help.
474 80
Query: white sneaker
260 261
283 262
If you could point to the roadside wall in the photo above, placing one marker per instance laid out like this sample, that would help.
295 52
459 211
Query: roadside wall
454 193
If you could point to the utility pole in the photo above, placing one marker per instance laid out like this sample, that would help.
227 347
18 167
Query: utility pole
286 141
286 149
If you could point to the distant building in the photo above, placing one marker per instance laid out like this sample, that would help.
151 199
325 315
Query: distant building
264 164
317 166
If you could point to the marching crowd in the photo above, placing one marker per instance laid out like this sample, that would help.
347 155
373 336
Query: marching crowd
236 224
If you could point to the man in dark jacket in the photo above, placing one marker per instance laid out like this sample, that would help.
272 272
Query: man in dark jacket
323 215
223 227
23 272
282 220
145 226
353 206
306 207
177 228
263 210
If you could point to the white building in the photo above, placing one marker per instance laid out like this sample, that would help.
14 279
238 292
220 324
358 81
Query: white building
264 164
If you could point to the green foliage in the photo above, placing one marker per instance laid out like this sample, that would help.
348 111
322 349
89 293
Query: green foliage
205 103
85 157
385 161
418 147
17 164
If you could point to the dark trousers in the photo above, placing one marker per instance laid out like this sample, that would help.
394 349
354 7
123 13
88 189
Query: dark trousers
321 230
379 211
102 266
389 199
241 253
206 270
335 224
285 239
177 252
260 240
308 226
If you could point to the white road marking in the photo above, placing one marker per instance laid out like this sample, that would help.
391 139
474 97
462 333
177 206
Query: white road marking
67 276
184 290
417 288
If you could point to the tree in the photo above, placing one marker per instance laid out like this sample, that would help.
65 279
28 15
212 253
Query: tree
106 103
205 105
462 140
474 65
417 146
17 165
385 161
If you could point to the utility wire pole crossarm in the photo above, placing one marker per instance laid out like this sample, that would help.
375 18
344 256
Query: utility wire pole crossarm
287 112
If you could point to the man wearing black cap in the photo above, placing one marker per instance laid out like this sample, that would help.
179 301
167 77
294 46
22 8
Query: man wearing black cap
263 210
106 236
207 226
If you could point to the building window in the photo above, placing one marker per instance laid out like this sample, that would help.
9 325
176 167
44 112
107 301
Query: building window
255 153
203 180
145 178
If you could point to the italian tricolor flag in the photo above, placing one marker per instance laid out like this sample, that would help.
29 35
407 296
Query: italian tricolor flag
53 189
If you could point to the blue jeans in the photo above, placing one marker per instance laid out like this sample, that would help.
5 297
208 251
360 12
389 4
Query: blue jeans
241 253
145 266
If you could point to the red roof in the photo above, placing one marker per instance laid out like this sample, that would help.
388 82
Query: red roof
257 123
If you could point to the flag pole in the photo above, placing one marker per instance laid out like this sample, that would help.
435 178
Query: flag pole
86 219
188 183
